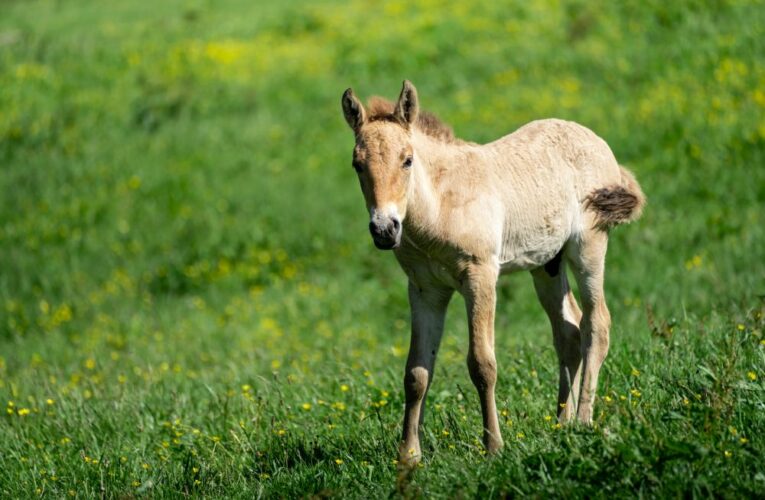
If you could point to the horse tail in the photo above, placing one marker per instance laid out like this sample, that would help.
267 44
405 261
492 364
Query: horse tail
617 204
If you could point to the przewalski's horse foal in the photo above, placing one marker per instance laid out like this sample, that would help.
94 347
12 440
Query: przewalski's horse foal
459 214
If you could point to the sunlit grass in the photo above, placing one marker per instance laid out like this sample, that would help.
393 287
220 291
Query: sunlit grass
190 303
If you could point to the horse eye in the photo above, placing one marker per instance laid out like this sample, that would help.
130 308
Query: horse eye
408 162
357 166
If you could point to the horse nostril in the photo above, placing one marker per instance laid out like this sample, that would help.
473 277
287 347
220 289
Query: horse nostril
373 228
396 225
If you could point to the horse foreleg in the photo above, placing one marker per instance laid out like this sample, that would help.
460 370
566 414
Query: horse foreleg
428 308
479 290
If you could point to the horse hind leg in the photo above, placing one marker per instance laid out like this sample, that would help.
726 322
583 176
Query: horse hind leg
552 287
587 256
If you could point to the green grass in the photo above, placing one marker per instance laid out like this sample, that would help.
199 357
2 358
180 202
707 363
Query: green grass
191 304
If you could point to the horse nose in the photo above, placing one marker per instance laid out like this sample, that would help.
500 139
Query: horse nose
386 232
385 229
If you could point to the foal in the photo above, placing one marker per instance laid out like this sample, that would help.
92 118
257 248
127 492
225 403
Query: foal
459 214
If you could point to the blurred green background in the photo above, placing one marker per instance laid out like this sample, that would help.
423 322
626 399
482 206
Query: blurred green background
190 297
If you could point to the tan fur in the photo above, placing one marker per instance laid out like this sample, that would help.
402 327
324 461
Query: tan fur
545 194
381 109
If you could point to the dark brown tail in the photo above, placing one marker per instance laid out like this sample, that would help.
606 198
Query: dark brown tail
617 204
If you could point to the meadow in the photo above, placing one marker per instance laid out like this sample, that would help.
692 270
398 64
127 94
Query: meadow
191 304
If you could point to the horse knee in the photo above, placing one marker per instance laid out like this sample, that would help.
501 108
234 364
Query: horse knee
482 366
416 383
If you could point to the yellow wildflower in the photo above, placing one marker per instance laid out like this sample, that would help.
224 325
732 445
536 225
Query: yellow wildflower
752 376
306 406
693 262
344 388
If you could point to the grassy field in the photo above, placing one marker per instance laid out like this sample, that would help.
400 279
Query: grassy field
190 303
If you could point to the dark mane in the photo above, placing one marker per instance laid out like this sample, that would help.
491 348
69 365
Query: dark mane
380 109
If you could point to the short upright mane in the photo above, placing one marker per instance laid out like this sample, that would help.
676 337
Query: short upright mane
381 109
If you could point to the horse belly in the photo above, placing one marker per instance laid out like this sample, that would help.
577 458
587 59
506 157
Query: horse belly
531 258
532 242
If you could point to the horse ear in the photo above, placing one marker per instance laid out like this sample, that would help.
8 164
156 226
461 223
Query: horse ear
407 106
353 110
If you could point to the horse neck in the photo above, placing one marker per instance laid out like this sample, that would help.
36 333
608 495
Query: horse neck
424 201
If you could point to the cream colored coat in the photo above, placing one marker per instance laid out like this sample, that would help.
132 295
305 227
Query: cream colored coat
458 214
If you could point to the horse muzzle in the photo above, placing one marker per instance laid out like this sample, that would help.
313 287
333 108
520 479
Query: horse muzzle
386 233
